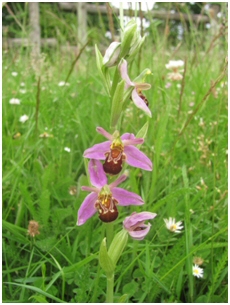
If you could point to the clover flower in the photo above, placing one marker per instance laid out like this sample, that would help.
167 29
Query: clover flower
33 228
137 97
135 225
174 65
172 225
104 198
197 271
117 150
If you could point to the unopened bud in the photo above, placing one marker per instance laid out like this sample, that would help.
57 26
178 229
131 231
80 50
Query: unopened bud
112 54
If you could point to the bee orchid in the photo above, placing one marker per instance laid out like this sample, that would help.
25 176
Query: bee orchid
117 150
104 198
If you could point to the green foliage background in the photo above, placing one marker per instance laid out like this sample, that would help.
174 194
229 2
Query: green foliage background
189 180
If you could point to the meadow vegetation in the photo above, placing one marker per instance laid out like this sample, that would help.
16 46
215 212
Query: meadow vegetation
43 171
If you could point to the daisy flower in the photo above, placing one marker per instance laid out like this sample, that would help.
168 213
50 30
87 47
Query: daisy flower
23 118
172 225
197 271
14 101
62 83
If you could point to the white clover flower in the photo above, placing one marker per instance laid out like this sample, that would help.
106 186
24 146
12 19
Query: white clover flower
23 118
14 101
62 83
172 225
67 149
22 84
23 91
14 73
197 271
174 64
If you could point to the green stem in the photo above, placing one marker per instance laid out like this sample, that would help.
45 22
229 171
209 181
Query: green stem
110 286
109 233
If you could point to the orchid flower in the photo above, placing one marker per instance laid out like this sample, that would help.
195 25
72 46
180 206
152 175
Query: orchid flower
135 225
104 198
137 97
117 150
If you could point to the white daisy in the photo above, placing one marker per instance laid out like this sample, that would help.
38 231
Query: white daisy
172 225
14 101
23 118
67 149
197 271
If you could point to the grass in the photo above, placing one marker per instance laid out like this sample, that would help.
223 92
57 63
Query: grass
189 180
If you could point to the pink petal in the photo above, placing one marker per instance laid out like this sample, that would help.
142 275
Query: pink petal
136 218
97 175
87 209
130 139
125 197
137 158
128 136
124 74
104 133
118 181
139 235
90 189
140 103
97 151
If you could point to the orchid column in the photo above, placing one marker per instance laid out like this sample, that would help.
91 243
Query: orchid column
104 199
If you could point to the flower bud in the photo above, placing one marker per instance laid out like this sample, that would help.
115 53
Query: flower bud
131 39
117 246
112 54
105 260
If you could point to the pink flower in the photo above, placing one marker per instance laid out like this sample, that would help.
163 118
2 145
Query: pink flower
137 97
117 150
104 198
135 225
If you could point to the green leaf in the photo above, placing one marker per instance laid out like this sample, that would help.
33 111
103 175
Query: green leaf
38 290
142 132
39 299
102 70
18 234
117 103
123 298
